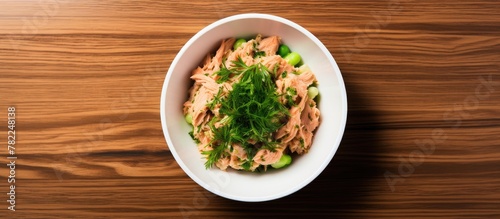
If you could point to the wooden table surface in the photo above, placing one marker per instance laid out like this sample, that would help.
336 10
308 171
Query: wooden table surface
422 137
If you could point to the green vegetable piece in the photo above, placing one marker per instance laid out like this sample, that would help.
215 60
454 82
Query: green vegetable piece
304 68
293 58
283 50
283 75
312 92
238 43
284 161
189 119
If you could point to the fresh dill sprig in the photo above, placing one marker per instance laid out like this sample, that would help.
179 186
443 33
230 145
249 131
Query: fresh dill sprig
223 74
218 146
253 112
239 65
217 99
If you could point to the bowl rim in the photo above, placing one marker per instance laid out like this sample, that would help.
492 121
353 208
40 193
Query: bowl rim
343 97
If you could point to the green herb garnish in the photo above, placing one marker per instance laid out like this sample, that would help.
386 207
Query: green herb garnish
290 93
216 100
223 73
283 75
218 146
259 54
252 112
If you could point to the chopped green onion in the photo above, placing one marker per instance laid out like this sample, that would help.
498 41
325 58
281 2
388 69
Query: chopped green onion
304 68
293 58
238 43
284 161
189 119
312 92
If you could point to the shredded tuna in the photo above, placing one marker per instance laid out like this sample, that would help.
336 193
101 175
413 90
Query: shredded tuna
294 136
270 45
223 163
267 157
245 52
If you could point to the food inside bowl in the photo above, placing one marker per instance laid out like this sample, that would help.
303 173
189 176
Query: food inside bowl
252 104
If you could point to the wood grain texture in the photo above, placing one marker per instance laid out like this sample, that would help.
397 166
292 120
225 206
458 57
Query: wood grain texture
85 77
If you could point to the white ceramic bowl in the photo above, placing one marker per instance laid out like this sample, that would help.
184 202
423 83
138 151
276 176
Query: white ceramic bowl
246 186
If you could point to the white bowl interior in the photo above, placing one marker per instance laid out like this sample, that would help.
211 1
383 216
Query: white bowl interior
245 186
